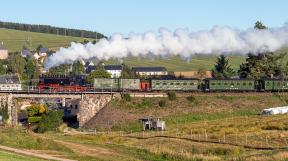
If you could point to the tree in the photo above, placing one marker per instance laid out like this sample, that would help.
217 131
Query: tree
263 65
39 48
31 69
99 73
60 70
259 25
127 72
16 63
77 68
222 68
51 121
3 69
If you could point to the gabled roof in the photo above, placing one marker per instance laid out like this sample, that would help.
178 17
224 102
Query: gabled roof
90 68
2 47
113 67
26 53
149 69
9 79
44 50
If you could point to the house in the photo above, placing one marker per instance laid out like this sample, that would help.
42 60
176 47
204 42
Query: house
150 71
3 52
90 68
43 52
114 70
26 53
10 82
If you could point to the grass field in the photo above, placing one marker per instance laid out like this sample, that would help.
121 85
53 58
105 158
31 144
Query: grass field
214 126
178 64
14 40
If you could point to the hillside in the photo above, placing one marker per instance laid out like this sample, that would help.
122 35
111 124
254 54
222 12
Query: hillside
14 40
176 63
214 126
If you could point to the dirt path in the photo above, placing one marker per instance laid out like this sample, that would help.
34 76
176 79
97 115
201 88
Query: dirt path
28 153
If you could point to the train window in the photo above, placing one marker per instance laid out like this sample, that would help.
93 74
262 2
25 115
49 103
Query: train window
171 83
184 84
238 84
268 83
192 84
178 83
219 84
244 84
278 84
164 83
232 84
157 83
213 84
250 84
225 83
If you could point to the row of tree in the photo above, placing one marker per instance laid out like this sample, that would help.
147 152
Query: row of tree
262 65
51 30
27 68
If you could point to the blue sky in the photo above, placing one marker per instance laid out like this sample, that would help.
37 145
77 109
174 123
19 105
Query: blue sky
125 16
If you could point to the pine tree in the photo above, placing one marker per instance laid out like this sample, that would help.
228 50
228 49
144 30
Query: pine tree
222 68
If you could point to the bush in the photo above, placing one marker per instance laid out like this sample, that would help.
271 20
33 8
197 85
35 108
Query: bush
127 97
34 119
171 96
191 98
36 110
51 121
4 114
162 103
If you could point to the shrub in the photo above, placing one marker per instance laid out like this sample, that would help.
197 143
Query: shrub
191 98
34 119
127 97
51 121
162 103
171 96
4 114
36 110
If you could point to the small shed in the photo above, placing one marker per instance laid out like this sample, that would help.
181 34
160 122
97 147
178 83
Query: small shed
153 124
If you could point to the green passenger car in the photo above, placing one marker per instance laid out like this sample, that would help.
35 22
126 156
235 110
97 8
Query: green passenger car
129 84
175 84
229 85
106 84
274 85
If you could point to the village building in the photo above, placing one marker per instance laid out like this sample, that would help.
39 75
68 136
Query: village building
10 82
150 71
3 52
26 53
114 70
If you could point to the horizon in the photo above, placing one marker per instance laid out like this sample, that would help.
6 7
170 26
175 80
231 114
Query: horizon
127 16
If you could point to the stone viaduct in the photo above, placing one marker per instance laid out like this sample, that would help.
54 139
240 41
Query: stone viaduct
89 103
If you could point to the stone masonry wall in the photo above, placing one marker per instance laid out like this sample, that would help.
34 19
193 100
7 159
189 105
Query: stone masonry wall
90 105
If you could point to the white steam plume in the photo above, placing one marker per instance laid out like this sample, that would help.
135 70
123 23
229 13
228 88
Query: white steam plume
218 40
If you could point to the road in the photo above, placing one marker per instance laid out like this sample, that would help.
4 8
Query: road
28 153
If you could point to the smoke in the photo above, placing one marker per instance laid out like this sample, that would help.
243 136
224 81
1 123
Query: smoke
218 40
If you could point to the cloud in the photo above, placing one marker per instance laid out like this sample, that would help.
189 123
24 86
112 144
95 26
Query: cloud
218 40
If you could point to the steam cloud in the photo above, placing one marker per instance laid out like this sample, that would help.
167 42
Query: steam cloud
218 40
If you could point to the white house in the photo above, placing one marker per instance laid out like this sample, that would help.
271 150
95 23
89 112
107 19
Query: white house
3 52
10 82
150 71
114 70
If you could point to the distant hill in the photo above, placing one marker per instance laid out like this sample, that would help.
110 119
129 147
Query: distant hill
14 40
51 30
